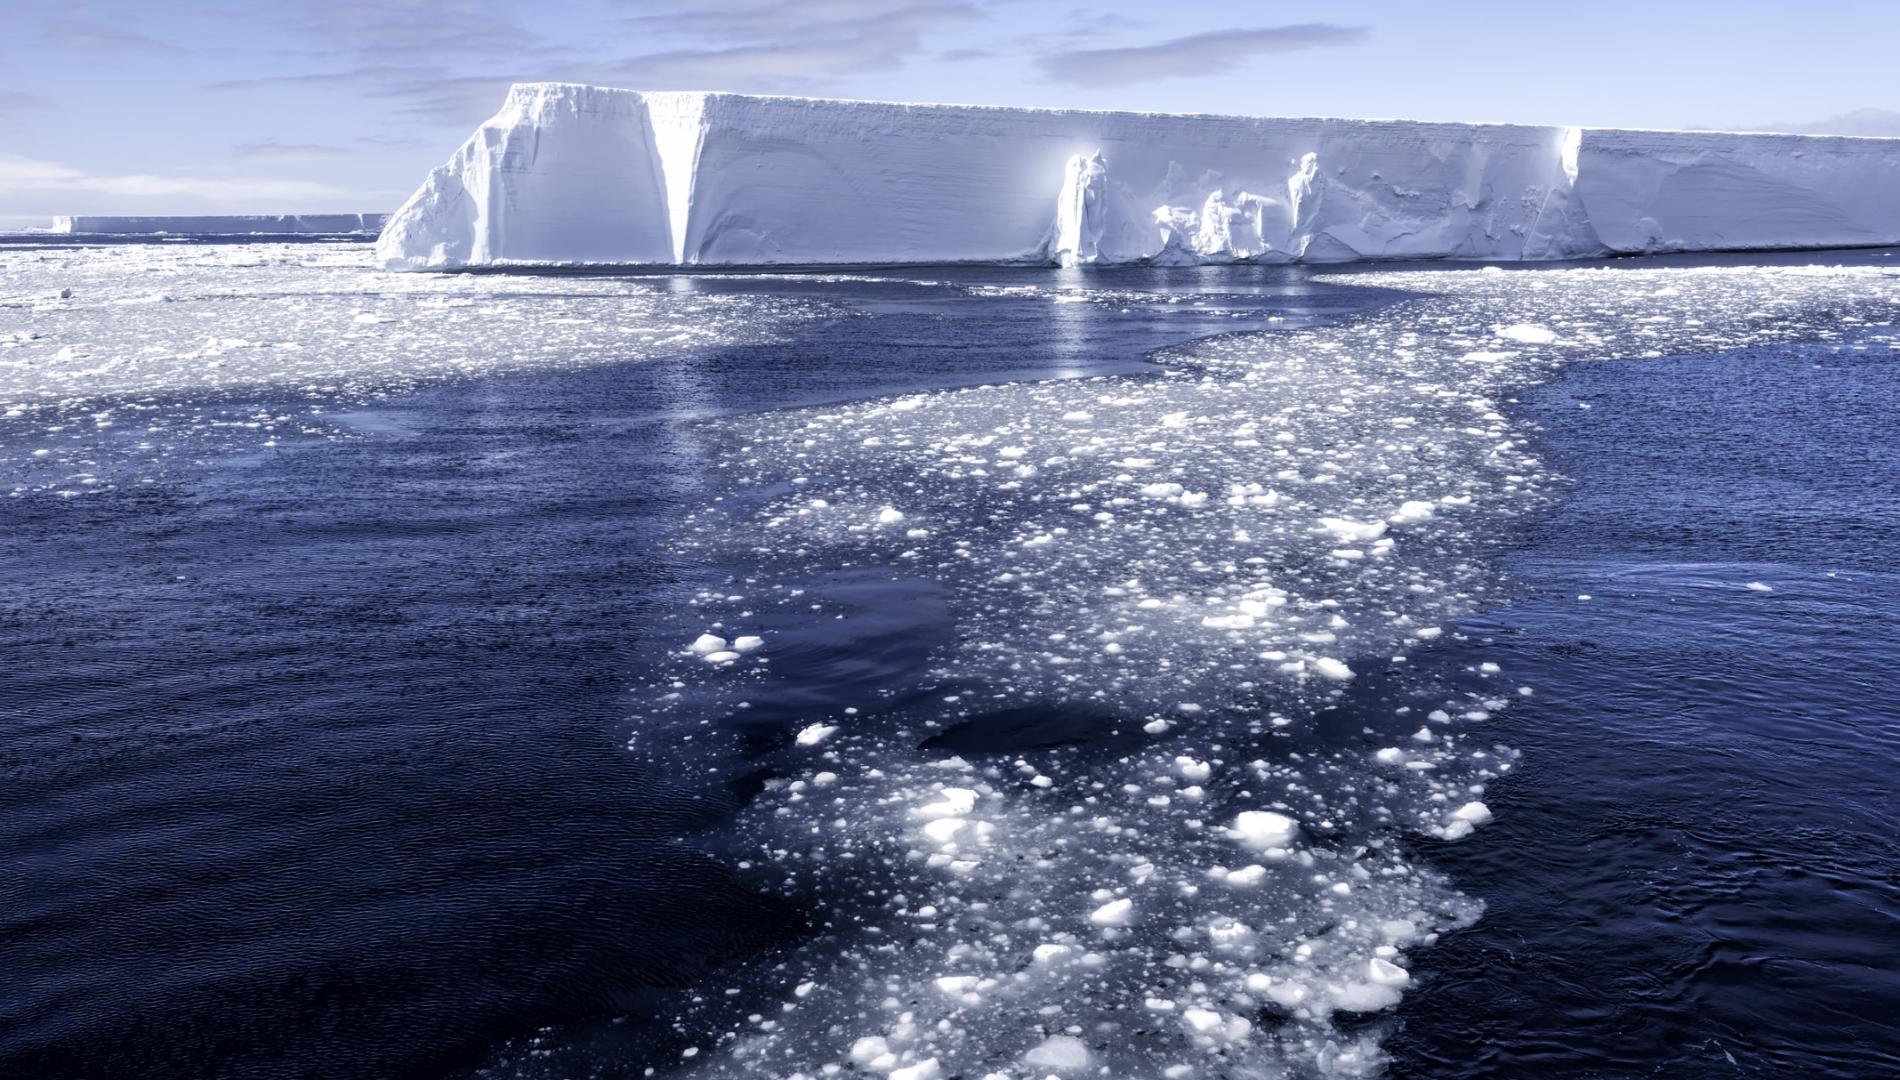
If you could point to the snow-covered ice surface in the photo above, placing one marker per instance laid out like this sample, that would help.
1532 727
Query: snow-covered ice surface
566 173
1220 582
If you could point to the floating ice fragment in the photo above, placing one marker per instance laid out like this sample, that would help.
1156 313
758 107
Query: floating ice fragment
1202 1021
1759 586
869 1049
957 984
1386 973
708 643
1475 812
1264 829
926 1069
1247 876
889 516
1332 668
1051 954
813 734
1193 771
952 802
1528 333
1063 1053
1348 529
1465 819
748 643
1114 913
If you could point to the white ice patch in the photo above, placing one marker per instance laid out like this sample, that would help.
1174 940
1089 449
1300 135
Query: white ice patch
1528 333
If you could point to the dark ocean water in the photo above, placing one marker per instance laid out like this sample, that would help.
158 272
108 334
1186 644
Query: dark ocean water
312 761
1697 871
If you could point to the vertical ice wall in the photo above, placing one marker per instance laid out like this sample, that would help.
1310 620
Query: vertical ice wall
561 174
578 174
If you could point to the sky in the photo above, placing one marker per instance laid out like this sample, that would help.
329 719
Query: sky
239 106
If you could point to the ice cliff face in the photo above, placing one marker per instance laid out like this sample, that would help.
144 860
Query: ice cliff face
568 174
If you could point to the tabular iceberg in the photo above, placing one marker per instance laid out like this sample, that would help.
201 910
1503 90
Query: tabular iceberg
569 174
220 225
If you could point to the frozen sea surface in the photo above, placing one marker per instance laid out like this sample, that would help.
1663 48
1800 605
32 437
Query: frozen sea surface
949 674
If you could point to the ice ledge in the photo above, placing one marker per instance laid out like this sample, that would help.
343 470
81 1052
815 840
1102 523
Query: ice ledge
567 174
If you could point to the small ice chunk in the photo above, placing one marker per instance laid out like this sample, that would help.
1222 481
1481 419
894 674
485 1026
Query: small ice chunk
1193 771
1247 876
1264 829
1063 1053
748 643
889 516
1760 586
1332 668
1203 1021
869 1049
813 734
1365 997
1386 973
708 643
1052 953
1475 812
1528 333
951 802
1114 913
926 1069
957 984
1348 529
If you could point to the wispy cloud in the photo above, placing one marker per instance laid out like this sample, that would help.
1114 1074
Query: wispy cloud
1879 123
449 62
276 153
421 93
784 44
405 30
15 102
390 142
37 186
76 34
1196 54
439 61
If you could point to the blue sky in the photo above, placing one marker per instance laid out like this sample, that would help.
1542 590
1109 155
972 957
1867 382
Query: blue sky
205 106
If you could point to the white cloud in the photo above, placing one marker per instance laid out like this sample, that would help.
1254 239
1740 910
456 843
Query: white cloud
786 44
33 186
276 153
1194 55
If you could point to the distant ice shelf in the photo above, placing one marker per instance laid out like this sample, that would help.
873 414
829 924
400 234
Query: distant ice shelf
567 174
221 225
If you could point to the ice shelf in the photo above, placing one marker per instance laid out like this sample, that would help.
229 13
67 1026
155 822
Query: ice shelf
569 174
221 225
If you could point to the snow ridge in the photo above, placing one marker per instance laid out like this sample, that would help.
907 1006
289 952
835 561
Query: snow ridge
567 174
